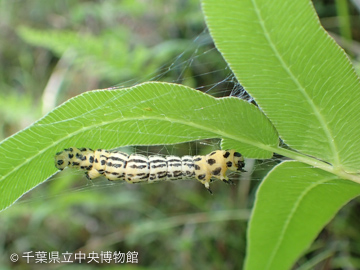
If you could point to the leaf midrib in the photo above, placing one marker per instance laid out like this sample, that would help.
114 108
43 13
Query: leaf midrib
316 110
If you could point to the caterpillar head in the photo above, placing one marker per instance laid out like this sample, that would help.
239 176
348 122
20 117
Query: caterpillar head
236 161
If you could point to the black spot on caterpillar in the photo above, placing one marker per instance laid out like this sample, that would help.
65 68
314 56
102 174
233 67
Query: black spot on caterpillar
136 168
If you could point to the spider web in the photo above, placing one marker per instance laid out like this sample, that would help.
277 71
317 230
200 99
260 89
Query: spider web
195 58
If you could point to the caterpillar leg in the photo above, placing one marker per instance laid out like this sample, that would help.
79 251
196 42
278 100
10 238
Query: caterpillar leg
90 182
222 176
207 185
228 181
208 189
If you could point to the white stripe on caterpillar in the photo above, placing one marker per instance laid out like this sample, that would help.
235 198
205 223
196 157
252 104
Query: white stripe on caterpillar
138 168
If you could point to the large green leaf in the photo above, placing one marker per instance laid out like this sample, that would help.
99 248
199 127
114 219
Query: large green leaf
295 71
151 113
293 204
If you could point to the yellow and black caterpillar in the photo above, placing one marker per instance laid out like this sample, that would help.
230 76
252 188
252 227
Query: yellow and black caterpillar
115 165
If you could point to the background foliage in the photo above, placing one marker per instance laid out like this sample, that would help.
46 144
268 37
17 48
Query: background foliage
51 51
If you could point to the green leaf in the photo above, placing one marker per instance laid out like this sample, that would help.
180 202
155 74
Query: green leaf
297 74
293 204
150 113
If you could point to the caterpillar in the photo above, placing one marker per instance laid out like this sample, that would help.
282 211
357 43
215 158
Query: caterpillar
116 165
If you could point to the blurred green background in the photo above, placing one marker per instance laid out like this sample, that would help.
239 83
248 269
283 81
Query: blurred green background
51 51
